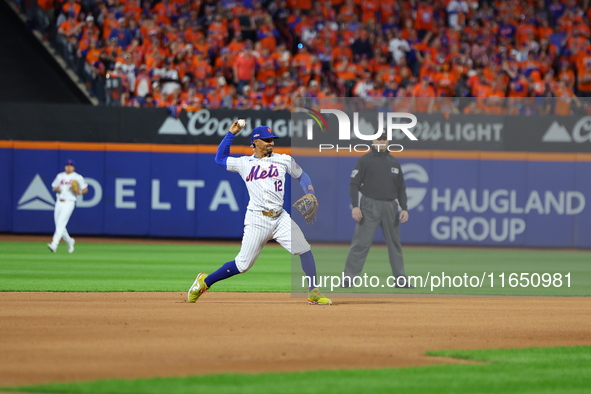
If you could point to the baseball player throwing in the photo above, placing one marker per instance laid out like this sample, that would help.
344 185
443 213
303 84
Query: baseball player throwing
264 174
67 185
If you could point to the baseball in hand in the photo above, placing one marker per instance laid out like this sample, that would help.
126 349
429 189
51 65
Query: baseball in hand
241 123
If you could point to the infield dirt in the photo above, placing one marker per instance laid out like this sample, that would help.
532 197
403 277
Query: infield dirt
49 337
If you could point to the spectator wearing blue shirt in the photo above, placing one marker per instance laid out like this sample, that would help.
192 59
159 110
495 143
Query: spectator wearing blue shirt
122 34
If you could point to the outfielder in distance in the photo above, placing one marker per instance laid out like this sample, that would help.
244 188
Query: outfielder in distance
67 185
264 174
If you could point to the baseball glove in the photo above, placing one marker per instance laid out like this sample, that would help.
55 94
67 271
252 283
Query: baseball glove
307 206
75 187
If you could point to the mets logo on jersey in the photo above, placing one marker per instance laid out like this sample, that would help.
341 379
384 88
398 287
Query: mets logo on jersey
256 173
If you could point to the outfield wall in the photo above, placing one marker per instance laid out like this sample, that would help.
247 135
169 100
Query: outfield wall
455 198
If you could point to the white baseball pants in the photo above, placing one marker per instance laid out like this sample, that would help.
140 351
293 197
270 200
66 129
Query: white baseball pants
259 229
61 215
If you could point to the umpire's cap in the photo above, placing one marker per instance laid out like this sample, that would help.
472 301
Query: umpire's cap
261 132
70 162
383 136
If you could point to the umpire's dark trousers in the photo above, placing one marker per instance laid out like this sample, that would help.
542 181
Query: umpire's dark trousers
375 213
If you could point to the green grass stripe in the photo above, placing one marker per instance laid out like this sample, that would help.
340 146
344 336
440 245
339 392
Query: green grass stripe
29 266
533 370
97 267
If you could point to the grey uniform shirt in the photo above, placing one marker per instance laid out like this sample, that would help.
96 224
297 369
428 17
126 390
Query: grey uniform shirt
378 175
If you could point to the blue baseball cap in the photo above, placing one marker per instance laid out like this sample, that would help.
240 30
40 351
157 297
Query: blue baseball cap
70 162
261 132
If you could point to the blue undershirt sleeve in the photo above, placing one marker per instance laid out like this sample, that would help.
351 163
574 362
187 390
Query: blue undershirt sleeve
306 183
223 152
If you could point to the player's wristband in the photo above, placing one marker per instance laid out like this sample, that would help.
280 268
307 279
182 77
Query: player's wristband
306 183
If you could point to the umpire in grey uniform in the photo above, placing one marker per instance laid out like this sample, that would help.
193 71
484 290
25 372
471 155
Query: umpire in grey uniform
379 178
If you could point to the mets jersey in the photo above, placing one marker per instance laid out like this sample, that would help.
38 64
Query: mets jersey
64 181
265 178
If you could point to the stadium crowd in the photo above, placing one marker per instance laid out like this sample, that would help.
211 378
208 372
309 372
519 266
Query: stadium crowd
255 54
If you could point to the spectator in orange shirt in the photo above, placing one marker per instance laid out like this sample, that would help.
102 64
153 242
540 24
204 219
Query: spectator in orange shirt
71 26
266 66
342 50
583 58
345 71
253 100
519 87
304 5
67 39
192 33
267 34
567 74
370 9
545 31
237 44
496 99
327 9
584 81
425 19
193 102
278 103
387 10
224 63
564 100
445 81
282 59
71 6
165 11
391 75
403 102
379 64
348 10
524 30
471 108
213 99
302 63
424 96
258 13
244 68
218 29
109 23
89 32
269 92
201 67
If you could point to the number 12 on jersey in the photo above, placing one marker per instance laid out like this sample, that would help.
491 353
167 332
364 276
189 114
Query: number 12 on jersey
278 185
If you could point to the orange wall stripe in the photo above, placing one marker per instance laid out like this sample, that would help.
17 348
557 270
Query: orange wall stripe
35 145
247 150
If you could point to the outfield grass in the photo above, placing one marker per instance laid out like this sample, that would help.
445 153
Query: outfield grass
534 370
26 266
474 263
97 267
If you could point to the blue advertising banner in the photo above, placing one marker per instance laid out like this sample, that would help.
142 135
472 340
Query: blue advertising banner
583 219
474 202
6 173
166 194
33 198
90 217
